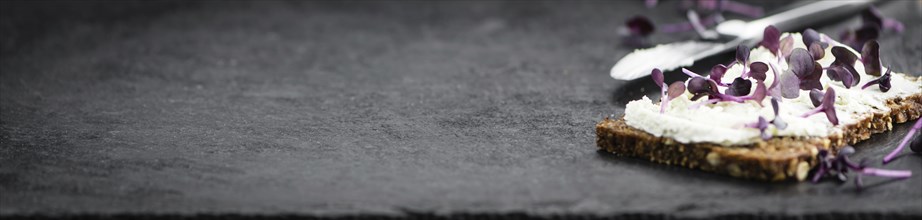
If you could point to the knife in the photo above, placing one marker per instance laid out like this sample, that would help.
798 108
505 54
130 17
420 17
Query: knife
732 33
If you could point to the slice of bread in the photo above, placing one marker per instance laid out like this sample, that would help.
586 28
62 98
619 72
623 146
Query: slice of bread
775 159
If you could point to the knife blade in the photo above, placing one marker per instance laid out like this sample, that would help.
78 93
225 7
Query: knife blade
671 56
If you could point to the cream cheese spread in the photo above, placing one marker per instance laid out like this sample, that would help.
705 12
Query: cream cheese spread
724 122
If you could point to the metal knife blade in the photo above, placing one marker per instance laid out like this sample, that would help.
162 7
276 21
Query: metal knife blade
671 56
666 57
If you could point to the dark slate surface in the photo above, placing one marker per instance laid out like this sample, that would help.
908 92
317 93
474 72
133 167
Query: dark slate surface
362 108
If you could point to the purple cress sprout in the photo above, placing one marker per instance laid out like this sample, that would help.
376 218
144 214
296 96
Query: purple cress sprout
756 71
826 106
675 90
912 131
872 15
872 24
843 68
717 72
742 55
658 78
804 74
883 83
825 164
810 36
857 38
636 30
778 122
840 164
739 87
640 25
667 93
870 171
774 90
817 51
761 124
771 39
870 57
787 45
700 87
816 96
691 74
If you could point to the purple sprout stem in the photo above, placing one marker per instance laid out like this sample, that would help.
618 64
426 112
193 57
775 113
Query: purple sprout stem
894 24
745 74
887 173
731 98
870 83
775 76
695 21
912 131
690 73
819 173
813 112
663 99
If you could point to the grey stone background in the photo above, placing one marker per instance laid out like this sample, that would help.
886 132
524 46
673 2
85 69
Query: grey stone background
388 109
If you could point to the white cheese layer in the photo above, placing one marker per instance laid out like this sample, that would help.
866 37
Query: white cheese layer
724 122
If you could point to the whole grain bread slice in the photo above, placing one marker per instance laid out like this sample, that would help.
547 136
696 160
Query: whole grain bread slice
776 159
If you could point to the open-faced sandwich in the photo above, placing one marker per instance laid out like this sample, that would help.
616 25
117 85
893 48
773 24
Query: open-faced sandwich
768 114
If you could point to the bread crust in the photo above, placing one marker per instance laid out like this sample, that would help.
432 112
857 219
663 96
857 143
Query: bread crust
776 159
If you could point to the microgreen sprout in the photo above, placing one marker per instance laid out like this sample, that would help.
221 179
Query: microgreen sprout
757 71
872 24
810 36
700 87
816 97
667 93
717 72
912 131
787 45
778 122
872 15
774 89
826 106
857 38
691 73
817 51
675 90
658 78
636 30
843 68
883 82
804 74
771 39
640 25
839 165
742 56
870 57
761 124
739 87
